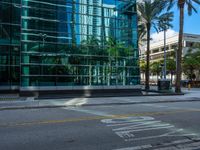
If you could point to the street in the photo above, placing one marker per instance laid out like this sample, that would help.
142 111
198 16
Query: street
121 127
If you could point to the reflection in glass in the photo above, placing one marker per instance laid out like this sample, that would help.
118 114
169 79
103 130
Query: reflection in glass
73 42
9 43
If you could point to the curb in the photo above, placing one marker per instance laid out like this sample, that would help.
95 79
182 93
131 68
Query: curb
86 105
8 99
154 93
127 95
162 93
146 95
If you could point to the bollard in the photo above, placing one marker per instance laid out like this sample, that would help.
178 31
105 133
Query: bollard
189 87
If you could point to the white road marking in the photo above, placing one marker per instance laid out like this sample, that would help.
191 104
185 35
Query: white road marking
160 136
136 147
127 128
150 128
125 135
143 125
123 124
131 128
127 120
171 107
77 101
185 144
94 112
156 105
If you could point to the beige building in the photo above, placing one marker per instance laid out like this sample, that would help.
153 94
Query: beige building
157 49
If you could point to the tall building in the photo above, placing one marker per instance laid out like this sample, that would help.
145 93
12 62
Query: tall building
108 11
10 44
90 18
50 45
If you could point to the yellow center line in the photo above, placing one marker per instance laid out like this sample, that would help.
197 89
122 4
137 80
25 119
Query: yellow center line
71 120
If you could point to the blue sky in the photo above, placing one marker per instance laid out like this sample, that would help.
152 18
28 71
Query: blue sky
192 23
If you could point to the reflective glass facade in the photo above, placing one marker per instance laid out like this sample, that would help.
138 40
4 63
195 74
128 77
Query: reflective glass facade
9 43
68 43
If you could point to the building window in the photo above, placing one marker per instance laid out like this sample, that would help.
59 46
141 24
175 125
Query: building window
67 42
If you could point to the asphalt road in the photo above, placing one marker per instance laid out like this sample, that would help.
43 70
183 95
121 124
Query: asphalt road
163 126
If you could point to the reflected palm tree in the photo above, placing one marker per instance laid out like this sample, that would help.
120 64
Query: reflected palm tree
115 52
91 47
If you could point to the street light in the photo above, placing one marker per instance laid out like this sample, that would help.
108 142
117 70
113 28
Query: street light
165 63
43 36
164 25
164 28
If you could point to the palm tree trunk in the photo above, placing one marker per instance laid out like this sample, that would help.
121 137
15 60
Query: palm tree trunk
179 51
171 77
157 77
147 58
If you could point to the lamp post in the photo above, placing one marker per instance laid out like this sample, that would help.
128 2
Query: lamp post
164 26
165 63
43 36
162 72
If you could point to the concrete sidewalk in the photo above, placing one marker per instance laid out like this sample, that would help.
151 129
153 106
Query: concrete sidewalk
26 103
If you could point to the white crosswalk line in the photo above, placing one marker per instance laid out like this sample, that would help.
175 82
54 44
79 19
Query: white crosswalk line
184 144
136 147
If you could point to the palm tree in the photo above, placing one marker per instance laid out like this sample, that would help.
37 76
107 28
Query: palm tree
156 68
92 44
181 5
189 66
113 53
141 34
171 67
150 13
191 63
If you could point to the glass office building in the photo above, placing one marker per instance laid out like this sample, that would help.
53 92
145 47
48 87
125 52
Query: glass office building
62 43
10 44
